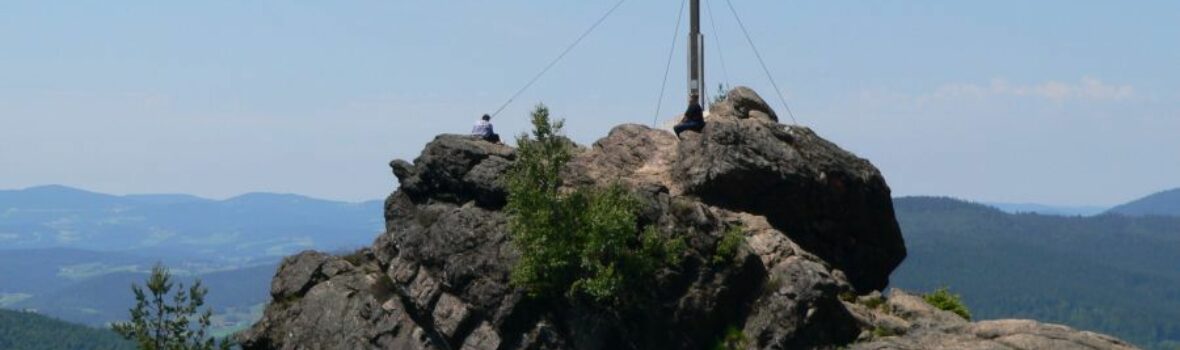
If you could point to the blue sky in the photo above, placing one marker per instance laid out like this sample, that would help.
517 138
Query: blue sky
1060 102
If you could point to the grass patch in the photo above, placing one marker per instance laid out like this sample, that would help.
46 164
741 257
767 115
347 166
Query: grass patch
945 300
881 332
874 303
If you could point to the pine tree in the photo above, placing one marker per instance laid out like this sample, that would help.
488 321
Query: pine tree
157 324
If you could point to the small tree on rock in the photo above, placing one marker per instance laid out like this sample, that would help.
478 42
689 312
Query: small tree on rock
580 242
157 324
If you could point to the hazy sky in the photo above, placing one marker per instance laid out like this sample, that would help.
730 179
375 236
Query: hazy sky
1060 102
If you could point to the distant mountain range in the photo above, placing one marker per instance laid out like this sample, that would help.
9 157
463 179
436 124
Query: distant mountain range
255 226
1110 273
1060 210
73 254
1165 203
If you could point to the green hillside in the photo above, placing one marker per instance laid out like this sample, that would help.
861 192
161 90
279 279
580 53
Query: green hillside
1108 273
30 331
104 299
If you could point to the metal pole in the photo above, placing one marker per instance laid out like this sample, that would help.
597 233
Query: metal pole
696 62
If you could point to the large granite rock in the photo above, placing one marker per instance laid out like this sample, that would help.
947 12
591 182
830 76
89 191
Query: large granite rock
831 202
817 223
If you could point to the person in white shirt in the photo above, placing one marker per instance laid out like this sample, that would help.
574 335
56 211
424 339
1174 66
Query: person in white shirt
483 130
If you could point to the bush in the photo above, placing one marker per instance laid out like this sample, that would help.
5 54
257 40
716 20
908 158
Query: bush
945 300
733 339
728 246
584 242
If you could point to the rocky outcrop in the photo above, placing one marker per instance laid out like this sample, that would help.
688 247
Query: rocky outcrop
326 302
817 224
456 169
905 321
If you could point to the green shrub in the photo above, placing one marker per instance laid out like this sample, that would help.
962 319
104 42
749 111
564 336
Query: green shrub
945 300
849 297
881 332
729 244
874 303
581 242
733 339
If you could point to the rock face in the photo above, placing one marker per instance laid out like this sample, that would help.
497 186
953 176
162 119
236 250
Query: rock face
818 231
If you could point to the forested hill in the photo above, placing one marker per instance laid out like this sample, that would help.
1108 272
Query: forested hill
30 331
1165 203
1109 273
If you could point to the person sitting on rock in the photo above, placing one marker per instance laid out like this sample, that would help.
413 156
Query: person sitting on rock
483 130
694 117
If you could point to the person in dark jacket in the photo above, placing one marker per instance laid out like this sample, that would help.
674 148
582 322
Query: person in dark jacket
483 130
694 117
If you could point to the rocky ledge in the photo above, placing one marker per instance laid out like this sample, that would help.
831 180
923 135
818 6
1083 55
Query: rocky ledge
820 243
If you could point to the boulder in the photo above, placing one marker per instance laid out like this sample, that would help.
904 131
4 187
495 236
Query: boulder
456 169
742 102
829 201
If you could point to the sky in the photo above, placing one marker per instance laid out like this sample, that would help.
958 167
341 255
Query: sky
1055 102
